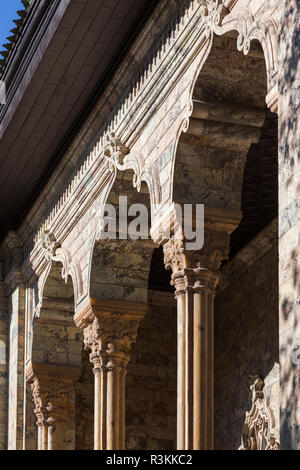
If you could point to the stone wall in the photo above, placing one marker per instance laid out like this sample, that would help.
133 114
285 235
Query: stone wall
246 335
151 378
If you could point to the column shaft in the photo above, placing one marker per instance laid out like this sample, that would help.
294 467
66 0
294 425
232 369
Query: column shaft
113 408
98 408
122 409
181 372
189 327
110 328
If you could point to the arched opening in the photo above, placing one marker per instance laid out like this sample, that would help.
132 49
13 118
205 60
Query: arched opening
227 159
58 381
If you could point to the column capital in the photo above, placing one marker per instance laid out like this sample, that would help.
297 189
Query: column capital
51 386
110 328
198 269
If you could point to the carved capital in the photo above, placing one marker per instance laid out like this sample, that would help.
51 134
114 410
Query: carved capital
40 400
51 388
51 399
196 269
110 329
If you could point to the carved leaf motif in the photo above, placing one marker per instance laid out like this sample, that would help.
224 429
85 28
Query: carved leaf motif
50 398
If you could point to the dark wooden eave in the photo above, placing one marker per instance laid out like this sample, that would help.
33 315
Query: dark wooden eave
63 60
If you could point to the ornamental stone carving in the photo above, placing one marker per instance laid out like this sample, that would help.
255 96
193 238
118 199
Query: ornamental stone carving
53 252
200 268
213 12
110 328
220 19
120 158
49 244
259 428
51 386
196 269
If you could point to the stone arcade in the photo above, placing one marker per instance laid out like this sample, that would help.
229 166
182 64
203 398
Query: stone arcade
168 103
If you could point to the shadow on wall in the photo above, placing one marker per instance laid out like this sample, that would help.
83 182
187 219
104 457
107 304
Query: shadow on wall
246 343
289 159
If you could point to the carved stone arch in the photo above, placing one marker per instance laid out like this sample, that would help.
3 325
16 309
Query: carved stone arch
183 128
219 21
120 158
228 113
70 266
55 345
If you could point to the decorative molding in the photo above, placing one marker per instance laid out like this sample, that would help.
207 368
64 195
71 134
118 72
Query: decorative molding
70 267
110 328
272 99
220 20
120 158
51 386
259 428
213 12
200 268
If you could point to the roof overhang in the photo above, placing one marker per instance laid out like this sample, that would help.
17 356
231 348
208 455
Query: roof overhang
61 63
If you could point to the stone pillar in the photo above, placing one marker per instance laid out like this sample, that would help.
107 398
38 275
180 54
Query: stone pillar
289 222
16 322
53 395
110 328
195 276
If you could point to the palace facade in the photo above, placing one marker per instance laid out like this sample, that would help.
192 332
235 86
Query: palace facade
123 343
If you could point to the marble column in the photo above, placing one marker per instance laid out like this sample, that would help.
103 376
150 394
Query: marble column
195 275
110 328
